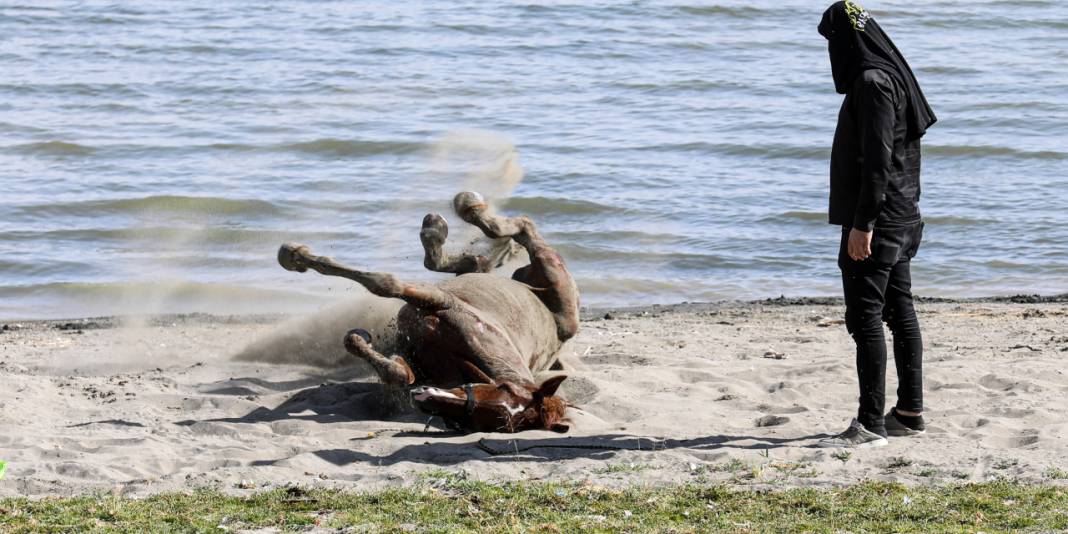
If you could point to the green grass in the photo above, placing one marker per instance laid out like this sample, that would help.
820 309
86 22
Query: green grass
1056 474
927 472
842 455
898 462
459 505
623 468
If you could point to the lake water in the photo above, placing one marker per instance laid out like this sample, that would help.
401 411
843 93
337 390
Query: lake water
153 154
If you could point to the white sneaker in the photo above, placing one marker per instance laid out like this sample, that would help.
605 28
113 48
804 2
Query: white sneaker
854 437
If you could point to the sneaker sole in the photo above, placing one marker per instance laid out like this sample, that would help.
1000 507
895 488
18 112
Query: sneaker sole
866 445
905 433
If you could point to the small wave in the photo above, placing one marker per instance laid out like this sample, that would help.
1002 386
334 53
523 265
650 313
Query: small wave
991 151
320 147
1028 105
351 147
821 217
50 148
776 151
807 216
160 203
1020 3
637 258
52 90
184 204
692 85
952 70
200 236
538 206
742 12
473 29
957 220
32 268
359 29
995 23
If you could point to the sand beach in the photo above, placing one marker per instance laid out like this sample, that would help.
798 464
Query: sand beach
732 392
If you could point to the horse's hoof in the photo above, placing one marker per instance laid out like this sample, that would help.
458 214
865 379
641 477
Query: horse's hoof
467 204
291 257
356 339
435 229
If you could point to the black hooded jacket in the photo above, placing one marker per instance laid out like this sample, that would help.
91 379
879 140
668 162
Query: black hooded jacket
875 159
875 170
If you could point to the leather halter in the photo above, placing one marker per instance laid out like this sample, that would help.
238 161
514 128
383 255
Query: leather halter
463 423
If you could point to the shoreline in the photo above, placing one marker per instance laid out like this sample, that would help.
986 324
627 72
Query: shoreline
585 313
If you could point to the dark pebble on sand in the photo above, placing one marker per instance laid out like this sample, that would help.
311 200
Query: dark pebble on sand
608 316
772 420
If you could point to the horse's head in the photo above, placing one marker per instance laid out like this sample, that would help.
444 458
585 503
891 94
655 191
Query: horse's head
500 407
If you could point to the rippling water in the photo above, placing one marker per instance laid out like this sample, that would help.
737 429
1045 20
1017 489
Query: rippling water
154 154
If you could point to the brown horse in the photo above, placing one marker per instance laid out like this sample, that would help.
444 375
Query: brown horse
475 342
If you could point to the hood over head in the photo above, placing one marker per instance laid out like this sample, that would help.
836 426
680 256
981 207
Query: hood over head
857 43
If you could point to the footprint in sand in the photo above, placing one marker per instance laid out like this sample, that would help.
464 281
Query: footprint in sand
1011 413
579 390
696 377
778 386
767 408
1012 442
997 383
616 359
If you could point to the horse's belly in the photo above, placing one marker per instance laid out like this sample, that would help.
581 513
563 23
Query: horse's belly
512 308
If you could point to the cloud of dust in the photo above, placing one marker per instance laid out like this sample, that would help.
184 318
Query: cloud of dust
458 161
480 161
154 279
476 160
316 339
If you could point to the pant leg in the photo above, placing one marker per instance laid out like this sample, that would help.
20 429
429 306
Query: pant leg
908 341
864 286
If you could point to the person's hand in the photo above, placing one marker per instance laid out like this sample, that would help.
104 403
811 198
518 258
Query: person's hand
859 244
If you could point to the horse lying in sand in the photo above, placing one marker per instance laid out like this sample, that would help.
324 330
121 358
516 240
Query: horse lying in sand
474 343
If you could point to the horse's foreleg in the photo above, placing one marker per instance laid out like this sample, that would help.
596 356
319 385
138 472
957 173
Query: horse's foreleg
296 257
435 231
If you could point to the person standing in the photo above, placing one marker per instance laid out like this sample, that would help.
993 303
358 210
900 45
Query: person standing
875 193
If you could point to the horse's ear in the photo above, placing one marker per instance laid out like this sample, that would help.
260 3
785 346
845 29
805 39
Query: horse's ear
548 388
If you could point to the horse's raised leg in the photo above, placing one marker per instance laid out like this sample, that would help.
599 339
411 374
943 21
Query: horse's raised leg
296 257
436 230
391 371
546 273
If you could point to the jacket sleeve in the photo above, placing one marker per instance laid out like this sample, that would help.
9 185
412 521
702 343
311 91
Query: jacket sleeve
876 120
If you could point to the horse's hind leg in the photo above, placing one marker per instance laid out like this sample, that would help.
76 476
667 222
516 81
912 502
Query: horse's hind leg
436 230
554 285
294 257
392 371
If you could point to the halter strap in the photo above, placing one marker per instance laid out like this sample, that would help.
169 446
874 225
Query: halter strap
469 408
463 424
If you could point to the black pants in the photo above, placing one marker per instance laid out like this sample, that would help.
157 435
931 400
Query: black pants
877 290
